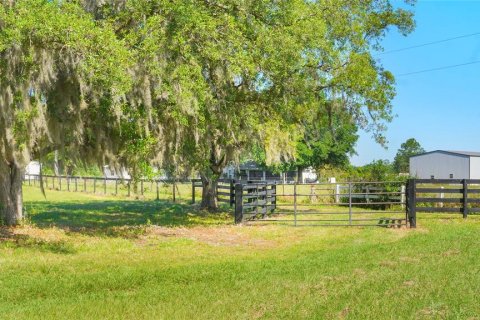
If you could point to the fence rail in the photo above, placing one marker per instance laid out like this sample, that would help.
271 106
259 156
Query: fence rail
225 190
443 196
157 188
352 203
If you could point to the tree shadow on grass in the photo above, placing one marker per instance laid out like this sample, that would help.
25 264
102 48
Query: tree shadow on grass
119 217
9 239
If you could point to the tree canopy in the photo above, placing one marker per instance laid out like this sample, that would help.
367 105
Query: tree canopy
232 74
188 84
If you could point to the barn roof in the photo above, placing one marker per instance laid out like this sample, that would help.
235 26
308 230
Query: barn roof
460 153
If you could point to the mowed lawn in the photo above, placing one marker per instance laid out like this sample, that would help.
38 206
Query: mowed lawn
91 257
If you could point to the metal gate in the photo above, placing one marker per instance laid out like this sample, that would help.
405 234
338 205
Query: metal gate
322 204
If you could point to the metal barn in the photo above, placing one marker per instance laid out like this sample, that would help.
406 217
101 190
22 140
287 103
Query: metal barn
442 164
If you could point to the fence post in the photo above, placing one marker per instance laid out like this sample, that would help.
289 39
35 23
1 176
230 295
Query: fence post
465 198
116 186
232 192
295 203
337 193
84 184
265 198
274 194
60 182
367 193
238 203
313 194
442 195
158 193
141 187
174 193
412 203
105 185
256 200
129 183
193 191
94 185
402 196
350 203
68 183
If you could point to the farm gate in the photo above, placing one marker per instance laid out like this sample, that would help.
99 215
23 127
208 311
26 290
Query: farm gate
322 204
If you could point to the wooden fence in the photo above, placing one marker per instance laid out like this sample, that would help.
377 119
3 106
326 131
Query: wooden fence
225 190
158 188
254 200
442 196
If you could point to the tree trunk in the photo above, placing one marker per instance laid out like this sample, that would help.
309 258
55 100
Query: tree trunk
299 175
210 176
56 165
209 193
11 200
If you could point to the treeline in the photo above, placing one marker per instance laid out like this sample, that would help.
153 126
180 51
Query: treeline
187 85
383 170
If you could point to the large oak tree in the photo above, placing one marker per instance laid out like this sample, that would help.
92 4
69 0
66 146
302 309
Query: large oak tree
61 78
221 75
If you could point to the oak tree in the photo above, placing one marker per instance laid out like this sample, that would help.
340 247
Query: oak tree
58 86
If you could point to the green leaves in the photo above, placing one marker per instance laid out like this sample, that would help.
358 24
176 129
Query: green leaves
58 68
196 83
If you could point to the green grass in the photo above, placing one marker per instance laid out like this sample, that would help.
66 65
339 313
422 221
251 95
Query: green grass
91 257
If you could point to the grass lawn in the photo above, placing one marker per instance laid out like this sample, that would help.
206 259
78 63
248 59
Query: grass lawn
84 256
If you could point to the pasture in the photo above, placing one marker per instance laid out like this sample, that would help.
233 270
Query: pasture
85 256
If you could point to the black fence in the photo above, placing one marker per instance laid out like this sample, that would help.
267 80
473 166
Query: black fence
225 190
443 196
254 201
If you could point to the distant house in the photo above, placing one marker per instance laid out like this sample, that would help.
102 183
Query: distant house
441 164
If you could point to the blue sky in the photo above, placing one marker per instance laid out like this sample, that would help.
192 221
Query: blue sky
441 109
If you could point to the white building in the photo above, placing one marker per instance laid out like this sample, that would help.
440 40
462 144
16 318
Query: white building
442 164
32 169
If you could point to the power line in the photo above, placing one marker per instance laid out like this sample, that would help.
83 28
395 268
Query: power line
429 43
439 68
